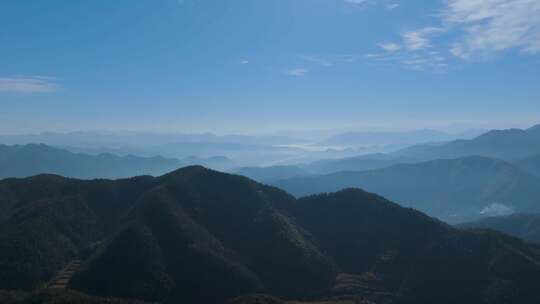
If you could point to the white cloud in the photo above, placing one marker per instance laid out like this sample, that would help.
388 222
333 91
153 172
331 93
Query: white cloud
390 47
421 38
415 53
297 72
28 84
244 62
468 29
390 5
491 26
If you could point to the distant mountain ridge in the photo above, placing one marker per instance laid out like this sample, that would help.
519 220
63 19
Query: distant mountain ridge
387 138
273 173
33 159
522 225
530 164
455 190
510 144
28 160
117 139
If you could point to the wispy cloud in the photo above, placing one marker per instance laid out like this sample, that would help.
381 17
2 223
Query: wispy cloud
363 3
28 84
491 26
297 72
357 2
244 62
413 51
329 60
420 39
432 61
467 29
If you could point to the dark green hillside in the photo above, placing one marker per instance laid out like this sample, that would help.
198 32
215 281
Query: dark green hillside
209 229
418 258
58 297
225 228
200 236
48 220
356 227
172 258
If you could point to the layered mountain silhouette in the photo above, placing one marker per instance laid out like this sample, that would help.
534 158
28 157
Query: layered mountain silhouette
517 146
387 138
530 164
366 162
32 159
510 144
522 225
454 190
356 163
272 173
200 236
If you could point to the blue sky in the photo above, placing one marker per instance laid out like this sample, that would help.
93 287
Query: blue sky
254 66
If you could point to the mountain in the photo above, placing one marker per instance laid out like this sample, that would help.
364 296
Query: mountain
521 147
530 164
524 226
273 173
28 160
352 139
172 238
119 139
214 162
453 190
356 163
53 296
245 150
414 257
510 144
200 236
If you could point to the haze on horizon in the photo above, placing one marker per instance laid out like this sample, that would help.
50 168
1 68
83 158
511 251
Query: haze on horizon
266 67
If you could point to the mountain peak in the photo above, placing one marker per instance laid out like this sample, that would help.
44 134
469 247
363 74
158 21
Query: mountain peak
190 171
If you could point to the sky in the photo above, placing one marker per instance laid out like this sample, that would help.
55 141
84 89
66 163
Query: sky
260 66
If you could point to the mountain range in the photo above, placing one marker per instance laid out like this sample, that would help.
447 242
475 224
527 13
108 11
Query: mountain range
520 147
200 236
510 144
396 138
454 190
530 164
523 225
272 173
32 159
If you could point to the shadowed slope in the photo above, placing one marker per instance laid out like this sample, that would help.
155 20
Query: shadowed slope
420 259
